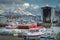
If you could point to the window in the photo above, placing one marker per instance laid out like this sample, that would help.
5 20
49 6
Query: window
34 31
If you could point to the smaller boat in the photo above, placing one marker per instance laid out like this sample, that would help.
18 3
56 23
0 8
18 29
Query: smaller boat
11 25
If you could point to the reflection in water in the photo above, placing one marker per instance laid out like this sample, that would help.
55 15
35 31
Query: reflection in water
56 29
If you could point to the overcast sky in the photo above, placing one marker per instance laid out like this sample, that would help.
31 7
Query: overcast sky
38 2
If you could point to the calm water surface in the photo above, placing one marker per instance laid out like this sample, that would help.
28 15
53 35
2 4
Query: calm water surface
56 29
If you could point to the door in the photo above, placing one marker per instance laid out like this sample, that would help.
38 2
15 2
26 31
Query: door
47 14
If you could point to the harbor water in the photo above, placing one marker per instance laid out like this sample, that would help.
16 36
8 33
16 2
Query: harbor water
56 29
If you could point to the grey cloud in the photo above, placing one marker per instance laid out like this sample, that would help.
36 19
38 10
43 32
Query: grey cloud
11 1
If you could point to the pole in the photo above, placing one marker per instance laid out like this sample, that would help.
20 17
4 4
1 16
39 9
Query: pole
52 16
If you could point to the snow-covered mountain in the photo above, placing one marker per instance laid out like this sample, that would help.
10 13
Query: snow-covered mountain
22 9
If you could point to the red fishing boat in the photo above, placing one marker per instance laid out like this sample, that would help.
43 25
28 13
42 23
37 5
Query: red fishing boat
27 26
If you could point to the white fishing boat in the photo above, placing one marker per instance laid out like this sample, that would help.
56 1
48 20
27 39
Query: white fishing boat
33 33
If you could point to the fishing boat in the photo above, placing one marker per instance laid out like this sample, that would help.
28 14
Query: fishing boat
33 33
27 26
